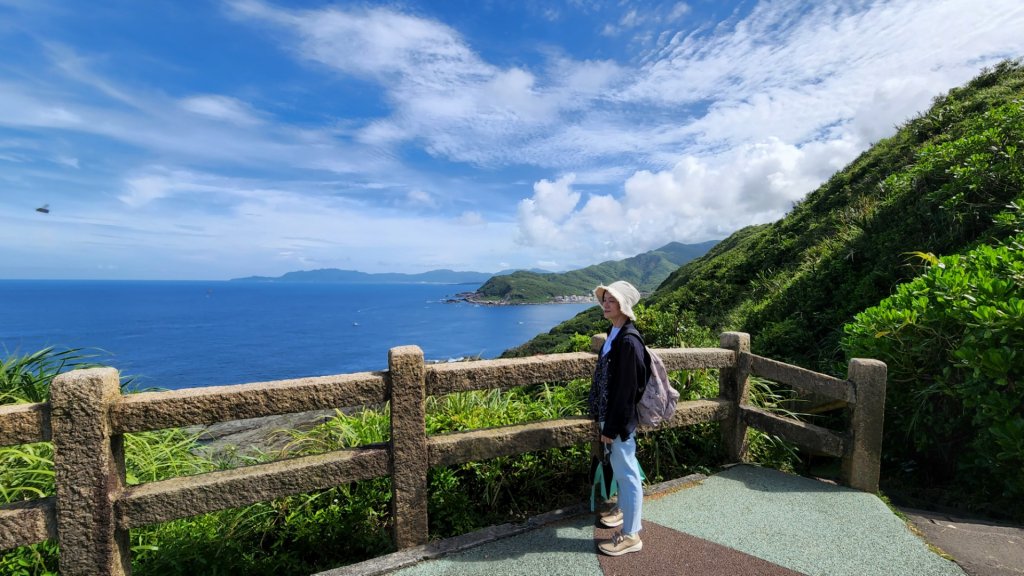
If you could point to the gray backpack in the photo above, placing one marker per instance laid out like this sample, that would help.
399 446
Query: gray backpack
658 400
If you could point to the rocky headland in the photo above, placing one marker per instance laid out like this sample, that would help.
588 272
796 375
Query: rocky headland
477 298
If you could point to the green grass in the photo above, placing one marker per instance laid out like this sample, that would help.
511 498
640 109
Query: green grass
312 532
26 378
942 186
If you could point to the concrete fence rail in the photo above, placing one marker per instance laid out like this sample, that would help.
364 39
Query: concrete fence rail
93 509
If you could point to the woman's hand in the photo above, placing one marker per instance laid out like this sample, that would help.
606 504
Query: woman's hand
605 439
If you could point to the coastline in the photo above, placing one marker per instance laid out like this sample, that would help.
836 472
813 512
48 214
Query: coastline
185 334
475 298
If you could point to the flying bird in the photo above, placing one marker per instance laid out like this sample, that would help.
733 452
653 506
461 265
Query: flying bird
45 209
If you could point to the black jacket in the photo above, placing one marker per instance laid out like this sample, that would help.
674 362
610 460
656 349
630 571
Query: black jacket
626 374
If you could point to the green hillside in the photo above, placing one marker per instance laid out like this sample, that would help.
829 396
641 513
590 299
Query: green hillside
355 277
942 185
645 271
794 283
934 187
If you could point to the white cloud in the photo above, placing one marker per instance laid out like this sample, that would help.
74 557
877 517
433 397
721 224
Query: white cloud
441 91
220 108
419 197
697 200
67 161
181 128
555 200
781 100
788 70
542 217
156 183
471 218
678 11
423 135
280 229
144 189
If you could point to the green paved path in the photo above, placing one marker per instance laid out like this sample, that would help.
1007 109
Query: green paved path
745 520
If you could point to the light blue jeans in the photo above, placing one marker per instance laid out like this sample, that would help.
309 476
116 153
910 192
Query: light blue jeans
627 477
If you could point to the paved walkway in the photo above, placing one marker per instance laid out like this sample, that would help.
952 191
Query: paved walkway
743 521
981 547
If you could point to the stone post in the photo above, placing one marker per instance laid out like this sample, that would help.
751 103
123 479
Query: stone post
732 386
860 467
88 465
409 455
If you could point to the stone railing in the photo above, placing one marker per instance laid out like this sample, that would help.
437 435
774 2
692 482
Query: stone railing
93 509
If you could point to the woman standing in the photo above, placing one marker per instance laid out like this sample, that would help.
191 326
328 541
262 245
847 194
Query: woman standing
614 391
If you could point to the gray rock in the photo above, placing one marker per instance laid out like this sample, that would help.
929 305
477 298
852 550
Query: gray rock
254 435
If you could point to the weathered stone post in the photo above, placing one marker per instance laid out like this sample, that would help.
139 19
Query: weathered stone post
860 468
409 456
88 465
732 386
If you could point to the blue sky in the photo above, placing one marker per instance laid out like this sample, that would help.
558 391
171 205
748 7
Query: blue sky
211 139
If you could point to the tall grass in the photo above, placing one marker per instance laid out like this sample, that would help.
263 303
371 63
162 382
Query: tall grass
26 379
26 471
312 532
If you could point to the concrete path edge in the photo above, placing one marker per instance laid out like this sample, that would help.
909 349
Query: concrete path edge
438 548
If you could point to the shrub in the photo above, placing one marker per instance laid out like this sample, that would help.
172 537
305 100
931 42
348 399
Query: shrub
26 471
953 340
670 327
26 379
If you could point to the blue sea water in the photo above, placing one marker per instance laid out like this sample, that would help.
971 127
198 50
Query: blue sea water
178 334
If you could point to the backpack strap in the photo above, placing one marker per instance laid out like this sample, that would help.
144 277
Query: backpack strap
630 330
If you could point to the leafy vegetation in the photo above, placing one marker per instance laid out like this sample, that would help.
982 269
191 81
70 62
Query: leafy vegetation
312 532
830 281
591 321
645 271
26 378
953 339
937 186
26 471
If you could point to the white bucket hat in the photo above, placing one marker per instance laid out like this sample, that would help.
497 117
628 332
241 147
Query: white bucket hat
624 293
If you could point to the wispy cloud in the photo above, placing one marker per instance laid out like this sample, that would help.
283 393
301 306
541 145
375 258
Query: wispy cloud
442 92
771 105
406 136
222 108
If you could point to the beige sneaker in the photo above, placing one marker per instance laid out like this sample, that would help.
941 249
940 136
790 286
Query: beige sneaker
621 544
612 518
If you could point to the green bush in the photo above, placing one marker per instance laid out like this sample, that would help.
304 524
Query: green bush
26 379
311 532
298 534
953 340
576 343
670 327
26 471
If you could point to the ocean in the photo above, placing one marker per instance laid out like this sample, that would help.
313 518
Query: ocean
183 334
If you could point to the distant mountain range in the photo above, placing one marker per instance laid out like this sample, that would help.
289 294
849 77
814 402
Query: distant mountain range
355 277
645 271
